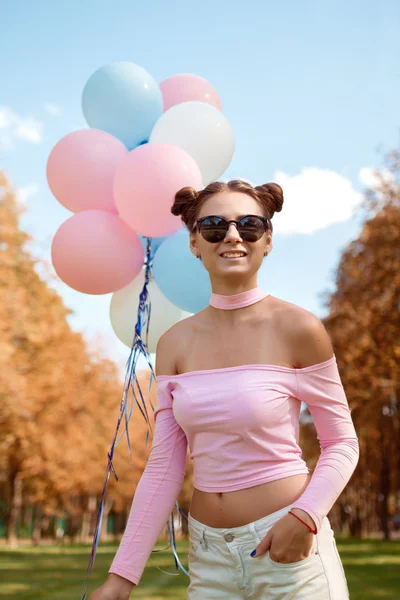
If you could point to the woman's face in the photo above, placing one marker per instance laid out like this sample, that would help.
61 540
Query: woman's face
231 205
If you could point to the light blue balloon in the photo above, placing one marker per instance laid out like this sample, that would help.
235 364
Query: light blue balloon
124 100
180 276
155 243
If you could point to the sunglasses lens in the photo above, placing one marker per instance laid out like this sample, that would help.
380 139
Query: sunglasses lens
213 229
251 228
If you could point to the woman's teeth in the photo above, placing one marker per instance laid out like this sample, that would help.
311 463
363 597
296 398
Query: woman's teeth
232 254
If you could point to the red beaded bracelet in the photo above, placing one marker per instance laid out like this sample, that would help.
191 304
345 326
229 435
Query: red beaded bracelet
306 524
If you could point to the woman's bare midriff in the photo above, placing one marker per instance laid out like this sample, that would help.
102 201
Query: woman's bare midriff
233 509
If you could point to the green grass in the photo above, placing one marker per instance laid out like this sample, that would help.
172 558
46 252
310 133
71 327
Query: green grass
372 570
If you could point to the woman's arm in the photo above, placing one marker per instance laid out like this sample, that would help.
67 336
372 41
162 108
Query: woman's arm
156 492
162 478
320 387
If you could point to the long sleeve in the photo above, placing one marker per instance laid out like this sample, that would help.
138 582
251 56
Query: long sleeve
320 387
156 492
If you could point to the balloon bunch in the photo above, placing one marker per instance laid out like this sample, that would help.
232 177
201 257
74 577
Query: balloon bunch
120 176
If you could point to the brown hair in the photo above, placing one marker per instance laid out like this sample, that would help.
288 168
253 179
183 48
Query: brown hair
188 201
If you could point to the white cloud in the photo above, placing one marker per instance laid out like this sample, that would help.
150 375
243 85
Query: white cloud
314 199
53 109
29 130
14 127
26 192
5 141
373 178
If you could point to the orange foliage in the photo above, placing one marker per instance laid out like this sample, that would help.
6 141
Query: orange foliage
59 405
364 325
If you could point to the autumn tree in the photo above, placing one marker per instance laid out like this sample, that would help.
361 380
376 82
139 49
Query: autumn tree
56 401
364 325
13 315
59 402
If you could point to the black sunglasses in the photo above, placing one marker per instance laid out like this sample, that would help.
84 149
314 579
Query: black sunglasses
214 229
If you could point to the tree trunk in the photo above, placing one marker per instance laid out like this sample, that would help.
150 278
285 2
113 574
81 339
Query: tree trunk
15 483
108 503
87 518
385 485
356 525
37 524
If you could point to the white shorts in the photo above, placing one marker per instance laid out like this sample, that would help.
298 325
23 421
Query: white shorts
221 568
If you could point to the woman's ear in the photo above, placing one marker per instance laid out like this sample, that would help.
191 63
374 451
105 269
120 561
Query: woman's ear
193 246
268 245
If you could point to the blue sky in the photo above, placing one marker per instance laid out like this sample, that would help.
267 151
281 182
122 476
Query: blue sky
311 89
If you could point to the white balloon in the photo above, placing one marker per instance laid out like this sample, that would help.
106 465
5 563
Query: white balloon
203 131
123 312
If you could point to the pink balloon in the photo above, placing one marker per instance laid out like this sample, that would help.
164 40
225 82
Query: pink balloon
145 185
95 252
186 87
81 168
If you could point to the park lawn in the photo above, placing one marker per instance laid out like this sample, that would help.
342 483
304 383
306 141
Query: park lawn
57 573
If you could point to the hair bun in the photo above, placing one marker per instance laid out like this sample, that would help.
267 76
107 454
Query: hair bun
271 194
183 199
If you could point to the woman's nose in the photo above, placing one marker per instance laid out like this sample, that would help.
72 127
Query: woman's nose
233 233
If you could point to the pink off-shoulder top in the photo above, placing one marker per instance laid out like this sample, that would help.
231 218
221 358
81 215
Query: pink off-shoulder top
242 427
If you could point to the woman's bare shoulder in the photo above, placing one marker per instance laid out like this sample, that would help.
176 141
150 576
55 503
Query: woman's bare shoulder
304 331
172 344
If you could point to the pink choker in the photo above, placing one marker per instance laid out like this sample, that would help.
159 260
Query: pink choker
238 300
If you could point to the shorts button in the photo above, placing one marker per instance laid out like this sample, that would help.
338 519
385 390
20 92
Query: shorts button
229 537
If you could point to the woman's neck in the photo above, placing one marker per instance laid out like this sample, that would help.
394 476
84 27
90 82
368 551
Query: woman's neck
238 300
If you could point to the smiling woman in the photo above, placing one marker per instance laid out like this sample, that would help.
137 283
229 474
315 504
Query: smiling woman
230 382
234 222
231 229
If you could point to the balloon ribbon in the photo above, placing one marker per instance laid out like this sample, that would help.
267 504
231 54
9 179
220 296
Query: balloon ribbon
132 394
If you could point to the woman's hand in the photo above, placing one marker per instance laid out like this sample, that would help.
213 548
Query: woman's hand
115 588
288 541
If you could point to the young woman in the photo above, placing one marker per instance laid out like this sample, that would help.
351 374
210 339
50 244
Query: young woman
230 382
